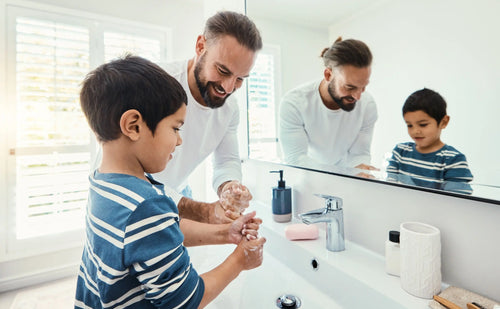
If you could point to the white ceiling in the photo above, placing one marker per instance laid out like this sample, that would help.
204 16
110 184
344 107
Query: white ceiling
310 13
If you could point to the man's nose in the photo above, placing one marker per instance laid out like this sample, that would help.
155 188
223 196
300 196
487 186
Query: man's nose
229 85
179 141
357 94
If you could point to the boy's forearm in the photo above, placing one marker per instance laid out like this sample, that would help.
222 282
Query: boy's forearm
218 278
198 233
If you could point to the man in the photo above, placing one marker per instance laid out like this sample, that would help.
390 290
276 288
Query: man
330 122
225 54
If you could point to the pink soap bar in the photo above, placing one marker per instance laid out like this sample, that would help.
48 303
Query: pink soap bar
301 231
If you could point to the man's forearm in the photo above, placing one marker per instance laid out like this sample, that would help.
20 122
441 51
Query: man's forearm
196 211
219 189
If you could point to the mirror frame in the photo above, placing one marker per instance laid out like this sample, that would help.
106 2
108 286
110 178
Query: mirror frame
384 182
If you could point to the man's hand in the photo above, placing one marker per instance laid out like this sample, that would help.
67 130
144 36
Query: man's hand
363 166
246 226
234 198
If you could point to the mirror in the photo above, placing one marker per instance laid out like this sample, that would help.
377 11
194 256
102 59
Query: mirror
448 46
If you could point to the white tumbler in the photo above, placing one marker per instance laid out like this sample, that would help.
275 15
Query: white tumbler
420 246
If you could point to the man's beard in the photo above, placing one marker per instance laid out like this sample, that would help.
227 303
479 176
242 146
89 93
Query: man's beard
340 101
203 88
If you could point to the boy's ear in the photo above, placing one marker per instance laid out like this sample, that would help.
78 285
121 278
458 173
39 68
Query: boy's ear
444 121
131 123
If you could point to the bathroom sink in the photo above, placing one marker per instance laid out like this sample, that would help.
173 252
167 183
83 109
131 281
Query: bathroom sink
354 278
261 287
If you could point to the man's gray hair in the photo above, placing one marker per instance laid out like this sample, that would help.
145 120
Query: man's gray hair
236 25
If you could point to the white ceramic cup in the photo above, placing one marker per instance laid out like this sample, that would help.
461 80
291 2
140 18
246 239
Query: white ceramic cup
420 259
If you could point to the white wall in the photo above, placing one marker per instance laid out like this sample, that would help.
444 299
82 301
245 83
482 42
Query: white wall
289 38
449 46
469 229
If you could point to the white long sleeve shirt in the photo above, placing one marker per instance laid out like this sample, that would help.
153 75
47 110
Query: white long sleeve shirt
312 135
205 131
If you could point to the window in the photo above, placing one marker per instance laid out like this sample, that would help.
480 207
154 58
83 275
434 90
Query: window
50 145
263 95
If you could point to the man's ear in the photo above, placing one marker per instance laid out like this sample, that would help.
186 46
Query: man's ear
201 43
328 74
131 124
444 122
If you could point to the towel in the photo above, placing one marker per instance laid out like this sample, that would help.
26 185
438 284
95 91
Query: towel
461 297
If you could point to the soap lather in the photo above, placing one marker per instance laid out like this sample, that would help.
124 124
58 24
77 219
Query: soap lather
282 200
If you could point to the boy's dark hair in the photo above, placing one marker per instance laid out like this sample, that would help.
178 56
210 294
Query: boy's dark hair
128 83
347 52
236 25
427 100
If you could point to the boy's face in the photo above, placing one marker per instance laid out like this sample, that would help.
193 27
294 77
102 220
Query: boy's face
157 150
221 67
425 131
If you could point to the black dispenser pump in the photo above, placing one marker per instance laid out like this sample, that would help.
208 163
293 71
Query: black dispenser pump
281 182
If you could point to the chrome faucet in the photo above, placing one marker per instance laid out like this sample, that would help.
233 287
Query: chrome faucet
333 215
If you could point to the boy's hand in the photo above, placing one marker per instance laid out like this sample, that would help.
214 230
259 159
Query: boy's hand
246 226
250 253
234 198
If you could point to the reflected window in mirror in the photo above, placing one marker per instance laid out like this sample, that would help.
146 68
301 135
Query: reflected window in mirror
263 98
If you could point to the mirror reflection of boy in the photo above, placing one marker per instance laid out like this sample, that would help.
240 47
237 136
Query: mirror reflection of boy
134 254
427 161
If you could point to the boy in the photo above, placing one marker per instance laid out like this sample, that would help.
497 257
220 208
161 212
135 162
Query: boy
427 160
134 254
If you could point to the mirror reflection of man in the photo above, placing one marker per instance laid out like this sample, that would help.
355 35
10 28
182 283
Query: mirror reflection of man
329 122
224 55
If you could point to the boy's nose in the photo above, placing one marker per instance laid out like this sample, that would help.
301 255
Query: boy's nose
179 141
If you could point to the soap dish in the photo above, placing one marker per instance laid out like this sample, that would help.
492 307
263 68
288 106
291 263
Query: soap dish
462 297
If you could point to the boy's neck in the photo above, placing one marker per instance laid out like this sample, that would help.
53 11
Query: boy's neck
431 148
118 158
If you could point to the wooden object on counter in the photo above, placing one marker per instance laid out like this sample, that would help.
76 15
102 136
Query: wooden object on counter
448 304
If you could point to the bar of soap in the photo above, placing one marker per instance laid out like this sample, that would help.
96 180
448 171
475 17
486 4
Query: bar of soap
301 231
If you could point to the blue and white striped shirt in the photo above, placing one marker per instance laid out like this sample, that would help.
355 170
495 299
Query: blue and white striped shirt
429 169
134 255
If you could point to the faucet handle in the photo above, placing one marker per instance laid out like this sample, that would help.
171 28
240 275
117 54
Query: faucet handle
331 202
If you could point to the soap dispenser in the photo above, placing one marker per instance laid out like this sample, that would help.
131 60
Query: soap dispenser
282 200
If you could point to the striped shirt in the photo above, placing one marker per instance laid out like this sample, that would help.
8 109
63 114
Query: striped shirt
134 255
429 169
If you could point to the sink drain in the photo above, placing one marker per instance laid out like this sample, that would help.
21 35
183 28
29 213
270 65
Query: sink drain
288 301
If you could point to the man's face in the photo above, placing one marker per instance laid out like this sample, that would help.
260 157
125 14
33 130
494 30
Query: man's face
220 69
346 85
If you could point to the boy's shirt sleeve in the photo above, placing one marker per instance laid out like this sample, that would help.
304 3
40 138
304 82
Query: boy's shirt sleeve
393 161
156 256
457 169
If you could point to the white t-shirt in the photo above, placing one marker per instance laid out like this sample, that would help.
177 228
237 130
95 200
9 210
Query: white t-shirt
312 135
205 131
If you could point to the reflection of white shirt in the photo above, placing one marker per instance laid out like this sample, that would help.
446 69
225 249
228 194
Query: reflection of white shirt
314 136
205 130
